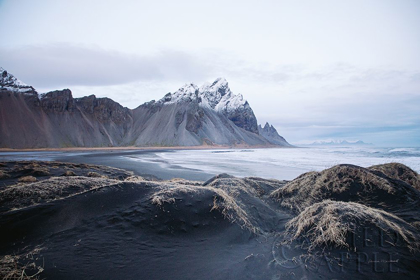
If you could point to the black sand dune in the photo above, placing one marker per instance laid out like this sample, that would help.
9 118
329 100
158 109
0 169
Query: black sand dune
95 222
386 186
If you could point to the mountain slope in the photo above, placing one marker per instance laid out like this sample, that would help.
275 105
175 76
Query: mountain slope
270 133
187 124
191 116
58 120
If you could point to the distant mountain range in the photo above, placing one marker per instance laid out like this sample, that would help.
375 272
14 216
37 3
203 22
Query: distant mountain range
191 116
339 143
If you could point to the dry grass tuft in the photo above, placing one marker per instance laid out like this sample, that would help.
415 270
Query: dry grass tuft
235 198
40 171
224 202
167 192
24 195
4 175
69 173
134 179
343 183
94 174
416 225
328 223
400 172
21 267
27 179
177 180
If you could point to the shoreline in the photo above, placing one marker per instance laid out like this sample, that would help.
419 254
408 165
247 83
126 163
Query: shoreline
143 148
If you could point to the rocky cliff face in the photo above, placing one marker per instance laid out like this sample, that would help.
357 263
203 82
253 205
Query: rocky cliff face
209 115
104 109
270 133
58 101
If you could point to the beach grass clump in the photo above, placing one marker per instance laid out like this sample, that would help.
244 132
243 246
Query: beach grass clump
217 199
4 174
94 174
235 198
27 179
39 171
23 195
400 172
135 178
21 267
251 185
69 173
329 223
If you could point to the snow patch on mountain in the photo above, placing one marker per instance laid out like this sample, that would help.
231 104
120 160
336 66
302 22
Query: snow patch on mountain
10 83
213 93
338 142
230 102
216 95
187 93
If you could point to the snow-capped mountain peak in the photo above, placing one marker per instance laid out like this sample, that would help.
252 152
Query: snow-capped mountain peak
216 96
231 102
214 92
188 92
10 83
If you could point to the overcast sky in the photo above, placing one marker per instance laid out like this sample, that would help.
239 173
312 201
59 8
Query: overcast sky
316 70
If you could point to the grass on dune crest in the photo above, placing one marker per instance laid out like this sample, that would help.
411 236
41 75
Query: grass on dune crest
345 183
27 194
328 224
234 197
400 172
220 200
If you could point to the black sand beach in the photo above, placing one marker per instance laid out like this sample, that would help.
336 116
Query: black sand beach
80 221
119 159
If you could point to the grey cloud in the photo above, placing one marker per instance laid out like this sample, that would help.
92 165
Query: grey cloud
62 65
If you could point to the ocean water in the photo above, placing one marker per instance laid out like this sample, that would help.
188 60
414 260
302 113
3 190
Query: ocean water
282 164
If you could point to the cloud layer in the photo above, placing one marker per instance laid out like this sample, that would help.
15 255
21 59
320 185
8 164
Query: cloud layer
58 65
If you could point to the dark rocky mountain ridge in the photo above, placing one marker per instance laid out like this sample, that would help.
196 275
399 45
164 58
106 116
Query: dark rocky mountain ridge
191 116
271 134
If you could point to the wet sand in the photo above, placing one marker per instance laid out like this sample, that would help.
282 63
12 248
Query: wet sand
120 159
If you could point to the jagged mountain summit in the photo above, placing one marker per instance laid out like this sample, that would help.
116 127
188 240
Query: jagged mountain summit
339 143
191 116
218 97
9 82
271 134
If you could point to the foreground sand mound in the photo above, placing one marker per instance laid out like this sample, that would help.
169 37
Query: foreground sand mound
347 183
238 200
400 172
330 223
12 172
27 194
226 228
